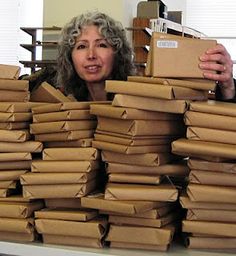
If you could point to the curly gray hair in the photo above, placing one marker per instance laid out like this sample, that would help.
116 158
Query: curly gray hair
115 35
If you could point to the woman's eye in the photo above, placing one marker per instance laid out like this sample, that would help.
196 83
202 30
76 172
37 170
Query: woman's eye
81 46
103 45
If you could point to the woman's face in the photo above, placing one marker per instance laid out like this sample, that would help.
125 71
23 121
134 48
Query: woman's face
93 56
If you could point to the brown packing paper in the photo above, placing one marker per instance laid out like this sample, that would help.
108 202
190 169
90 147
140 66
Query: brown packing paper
141 192
140 127
207 120
45 166
72 240
188 204
56 178
102 145
58 190
19 210
93 229
209 228
20 156
17 225
70 154
175 169
199 84
14 126
17 237
211 215
65 136
27 146
97 201
214 107
193 148
11 175
154 90
73 203
61 126
54 107
133 141
160 105
82 114
147 159
133 221
84 143
134 178
212 178
199 164
14 135
15 117
165 52
143 235
130 113
66 214
10 96
8 184
14 165
14 85
16 199
47 93
205 193
212 135
18 107
123 245
210 243
9 71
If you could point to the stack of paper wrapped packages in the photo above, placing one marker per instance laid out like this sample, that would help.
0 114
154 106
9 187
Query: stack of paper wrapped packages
68 170
16 153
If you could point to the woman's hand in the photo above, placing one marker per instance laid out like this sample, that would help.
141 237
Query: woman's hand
217 65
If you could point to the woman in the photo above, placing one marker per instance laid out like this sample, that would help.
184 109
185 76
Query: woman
93 47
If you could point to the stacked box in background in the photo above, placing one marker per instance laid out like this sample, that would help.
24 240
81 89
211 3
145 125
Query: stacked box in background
210 144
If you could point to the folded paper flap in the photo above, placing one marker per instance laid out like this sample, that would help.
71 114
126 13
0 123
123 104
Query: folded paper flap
193 177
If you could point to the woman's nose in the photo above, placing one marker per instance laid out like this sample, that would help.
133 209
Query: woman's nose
91 53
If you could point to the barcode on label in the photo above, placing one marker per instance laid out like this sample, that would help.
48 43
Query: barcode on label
167 44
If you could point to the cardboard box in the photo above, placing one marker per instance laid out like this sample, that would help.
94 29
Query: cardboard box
198 84
147 159
124 245
141 192
27 146
153 104
72 240
107 110
73 203
47 93
58 191
212 178
140 127
209 228
97 201
211 135
9 71
56 178
199 164
44 166
175 169
25 226
72 154
13 96
15 165
149 236
14 135
14 85
66 214
102 145
74 114
15 156
65 136
178 57
61 126
214 107
206 120
158 91
93 229
197 149
207 193
83 143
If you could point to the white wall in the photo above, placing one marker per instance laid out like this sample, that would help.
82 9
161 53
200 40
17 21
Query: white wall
177 5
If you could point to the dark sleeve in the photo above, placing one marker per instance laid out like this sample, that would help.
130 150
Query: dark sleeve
218 95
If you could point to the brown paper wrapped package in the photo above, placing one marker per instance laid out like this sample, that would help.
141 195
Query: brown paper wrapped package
14 135
13 96
27 146
124 245
20 156
15 165
11 175
17 225
9 71
73 203
83 143
14 85
14 126
15 117
17 237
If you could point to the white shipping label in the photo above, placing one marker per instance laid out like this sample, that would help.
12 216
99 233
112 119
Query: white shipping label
167 44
